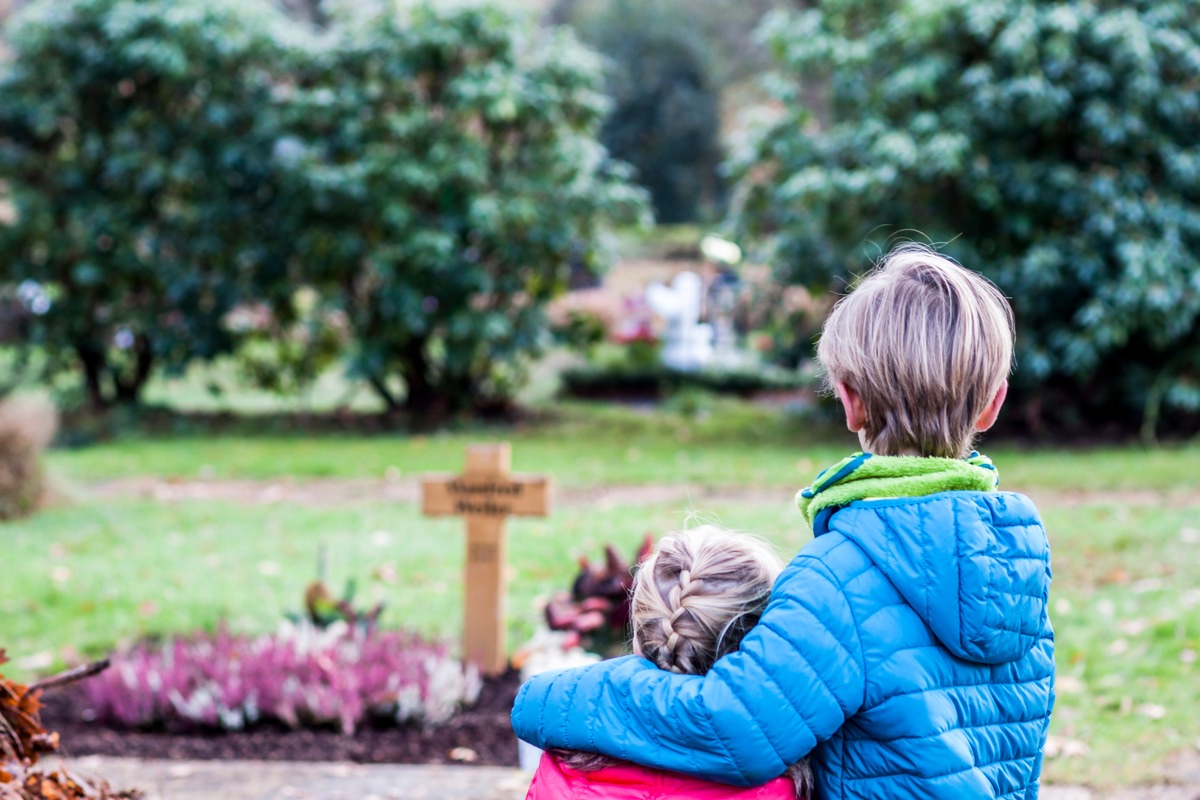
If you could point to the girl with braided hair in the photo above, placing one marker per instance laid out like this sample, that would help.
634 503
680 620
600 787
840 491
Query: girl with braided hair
693 600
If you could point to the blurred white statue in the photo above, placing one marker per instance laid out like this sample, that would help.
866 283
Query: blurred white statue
687 344
723 293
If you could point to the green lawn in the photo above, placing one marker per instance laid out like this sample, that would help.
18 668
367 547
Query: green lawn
91 574
1126 611
732 444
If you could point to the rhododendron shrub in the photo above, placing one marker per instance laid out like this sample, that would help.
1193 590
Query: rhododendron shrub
300 676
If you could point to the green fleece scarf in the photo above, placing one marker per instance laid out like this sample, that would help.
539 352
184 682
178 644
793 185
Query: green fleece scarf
864 475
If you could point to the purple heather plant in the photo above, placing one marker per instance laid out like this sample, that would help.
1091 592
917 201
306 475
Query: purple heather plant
299 676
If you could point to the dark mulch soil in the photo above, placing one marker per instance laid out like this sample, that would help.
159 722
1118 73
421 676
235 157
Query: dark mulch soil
484 728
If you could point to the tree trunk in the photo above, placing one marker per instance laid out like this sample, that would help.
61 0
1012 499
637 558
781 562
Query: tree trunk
424 400
463 393
103 382
129 391
1033 416
385 394
94 370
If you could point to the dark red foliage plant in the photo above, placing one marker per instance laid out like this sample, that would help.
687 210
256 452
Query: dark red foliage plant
596 609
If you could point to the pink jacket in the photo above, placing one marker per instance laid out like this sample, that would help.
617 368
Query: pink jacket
556 781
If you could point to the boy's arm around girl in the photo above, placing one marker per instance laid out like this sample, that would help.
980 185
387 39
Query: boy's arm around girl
927 657
793 683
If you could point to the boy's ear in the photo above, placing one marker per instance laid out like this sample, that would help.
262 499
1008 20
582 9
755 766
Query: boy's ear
852 404
988 418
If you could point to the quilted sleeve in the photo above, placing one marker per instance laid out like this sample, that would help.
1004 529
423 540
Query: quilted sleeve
797 677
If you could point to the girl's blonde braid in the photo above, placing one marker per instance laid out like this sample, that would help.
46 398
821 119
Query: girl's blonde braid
677 650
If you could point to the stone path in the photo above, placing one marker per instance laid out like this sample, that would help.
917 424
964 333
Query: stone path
252 780
332 492
275 780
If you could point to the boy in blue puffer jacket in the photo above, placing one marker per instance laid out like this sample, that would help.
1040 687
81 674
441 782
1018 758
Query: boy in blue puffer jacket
908 646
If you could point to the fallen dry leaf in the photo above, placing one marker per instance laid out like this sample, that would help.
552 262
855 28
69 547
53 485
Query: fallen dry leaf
1063 747
1118 576
1133 627
23 741
464 754
1069 684
1152 710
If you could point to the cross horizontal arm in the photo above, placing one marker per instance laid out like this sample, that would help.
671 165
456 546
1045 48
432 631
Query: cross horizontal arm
474 495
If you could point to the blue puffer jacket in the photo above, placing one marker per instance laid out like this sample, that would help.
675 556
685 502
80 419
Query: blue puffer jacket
909 644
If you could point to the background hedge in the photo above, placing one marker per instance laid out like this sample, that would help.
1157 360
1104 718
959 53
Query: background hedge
1050 145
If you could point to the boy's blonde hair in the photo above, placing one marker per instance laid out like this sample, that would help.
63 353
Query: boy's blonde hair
926 344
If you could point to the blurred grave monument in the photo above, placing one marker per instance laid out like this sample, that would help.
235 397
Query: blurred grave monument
722 299
687 343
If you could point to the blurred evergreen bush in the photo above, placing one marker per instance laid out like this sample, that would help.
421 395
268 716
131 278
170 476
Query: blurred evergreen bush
182 177
135 145
451 174
1050 145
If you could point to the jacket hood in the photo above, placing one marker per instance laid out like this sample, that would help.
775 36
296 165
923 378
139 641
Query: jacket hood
975 566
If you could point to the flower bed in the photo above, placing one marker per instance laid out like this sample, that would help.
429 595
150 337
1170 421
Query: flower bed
300 676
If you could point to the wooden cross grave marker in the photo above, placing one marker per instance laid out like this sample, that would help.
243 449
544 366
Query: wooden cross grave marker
486 494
